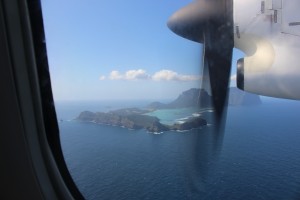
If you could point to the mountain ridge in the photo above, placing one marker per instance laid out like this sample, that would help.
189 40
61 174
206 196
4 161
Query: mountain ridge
196 97
188 98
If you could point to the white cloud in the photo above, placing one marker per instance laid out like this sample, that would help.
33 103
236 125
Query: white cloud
129 75
115 75
164 75
140 74
101 78
136 74
168 75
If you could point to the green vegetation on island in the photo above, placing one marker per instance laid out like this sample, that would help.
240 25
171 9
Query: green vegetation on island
134 118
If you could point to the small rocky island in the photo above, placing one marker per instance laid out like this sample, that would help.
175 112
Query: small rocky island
135 118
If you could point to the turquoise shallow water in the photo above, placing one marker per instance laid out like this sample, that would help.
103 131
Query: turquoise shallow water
171 116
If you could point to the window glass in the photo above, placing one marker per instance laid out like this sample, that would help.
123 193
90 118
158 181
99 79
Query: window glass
126 91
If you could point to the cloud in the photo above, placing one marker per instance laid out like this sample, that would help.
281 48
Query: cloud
140 74
136 74
115 75
168 75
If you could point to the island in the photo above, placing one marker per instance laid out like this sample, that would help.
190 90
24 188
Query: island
135 118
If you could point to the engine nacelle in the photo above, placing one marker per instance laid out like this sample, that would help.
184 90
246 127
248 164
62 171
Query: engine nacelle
269 34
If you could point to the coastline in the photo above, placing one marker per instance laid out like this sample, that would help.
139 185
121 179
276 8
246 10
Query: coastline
135 119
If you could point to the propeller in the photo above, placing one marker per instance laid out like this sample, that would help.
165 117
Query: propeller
210 22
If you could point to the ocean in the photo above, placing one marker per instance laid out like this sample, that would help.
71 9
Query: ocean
256 157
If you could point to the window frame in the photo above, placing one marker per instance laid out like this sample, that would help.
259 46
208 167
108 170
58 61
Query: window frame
31 141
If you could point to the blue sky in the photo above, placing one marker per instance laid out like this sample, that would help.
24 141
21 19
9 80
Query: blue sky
116 49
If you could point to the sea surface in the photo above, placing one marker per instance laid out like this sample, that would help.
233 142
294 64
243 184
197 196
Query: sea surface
257 156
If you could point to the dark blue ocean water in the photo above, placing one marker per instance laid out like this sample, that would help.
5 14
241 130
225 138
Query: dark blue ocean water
257 156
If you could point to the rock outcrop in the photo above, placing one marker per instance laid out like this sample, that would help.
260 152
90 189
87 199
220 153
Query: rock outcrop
194 122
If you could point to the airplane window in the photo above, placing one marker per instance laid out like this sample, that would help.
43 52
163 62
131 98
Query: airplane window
138 108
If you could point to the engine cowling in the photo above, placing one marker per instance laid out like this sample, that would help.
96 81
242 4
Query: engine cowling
270 40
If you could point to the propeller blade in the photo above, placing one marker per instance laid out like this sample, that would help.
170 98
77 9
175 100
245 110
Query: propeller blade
205 81
203 101
217 63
